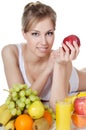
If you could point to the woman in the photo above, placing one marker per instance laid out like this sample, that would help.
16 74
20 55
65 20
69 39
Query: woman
34 63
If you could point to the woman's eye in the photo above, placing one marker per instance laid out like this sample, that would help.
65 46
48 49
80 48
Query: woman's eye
50 33
35 34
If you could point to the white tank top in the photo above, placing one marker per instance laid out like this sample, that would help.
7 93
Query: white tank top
45 95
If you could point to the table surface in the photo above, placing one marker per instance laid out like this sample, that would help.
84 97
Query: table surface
73 127
53 127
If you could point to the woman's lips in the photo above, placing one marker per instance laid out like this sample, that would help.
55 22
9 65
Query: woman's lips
43 49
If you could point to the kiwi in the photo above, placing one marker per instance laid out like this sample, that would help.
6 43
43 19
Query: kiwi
41 124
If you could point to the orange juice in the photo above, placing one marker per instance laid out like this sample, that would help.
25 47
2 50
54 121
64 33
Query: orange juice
63 115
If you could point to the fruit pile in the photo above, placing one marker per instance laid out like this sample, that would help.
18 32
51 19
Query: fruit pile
78 109
24 110
79 113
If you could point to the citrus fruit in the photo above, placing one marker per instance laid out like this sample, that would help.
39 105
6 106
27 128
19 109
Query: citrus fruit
79 120
23 122
48 117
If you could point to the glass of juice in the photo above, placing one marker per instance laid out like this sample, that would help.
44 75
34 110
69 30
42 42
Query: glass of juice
63 115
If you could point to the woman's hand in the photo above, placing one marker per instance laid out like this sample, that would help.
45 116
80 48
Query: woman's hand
65 56
73 48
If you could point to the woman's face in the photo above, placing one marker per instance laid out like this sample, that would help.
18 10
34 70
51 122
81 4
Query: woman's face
40 38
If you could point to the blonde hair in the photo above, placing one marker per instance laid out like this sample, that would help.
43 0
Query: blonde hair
34 12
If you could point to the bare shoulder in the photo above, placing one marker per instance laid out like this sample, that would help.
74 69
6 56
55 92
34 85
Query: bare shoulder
9 52
10 48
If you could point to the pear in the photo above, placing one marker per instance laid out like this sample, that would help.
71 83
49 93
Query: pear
41 124
36 110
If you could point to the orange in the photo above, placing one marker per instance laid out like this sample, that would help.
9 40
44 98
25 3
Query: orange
79 120
23 122
48 117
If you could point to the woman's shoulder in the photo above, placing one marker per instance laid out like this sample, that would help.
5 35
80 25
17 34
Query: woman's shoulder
9 49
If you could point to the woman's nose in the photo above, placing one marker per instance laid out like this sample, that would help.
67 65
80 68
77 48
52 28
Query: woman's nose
43 40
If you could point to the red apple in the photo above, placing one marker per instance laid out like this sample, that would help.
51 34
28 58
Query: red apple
70 39
80 105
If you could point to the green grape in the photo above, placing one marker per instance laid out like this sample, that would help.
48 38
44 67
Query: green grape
8 101
54 116
28 92
11 105
13 111
33 97
27 106
20 98
11 90
37 98
16 87
18 112
23 99
46 107
21 105
22 93
50 110
22 86
14 94
35 92
15 99
27 101
25 86
22 109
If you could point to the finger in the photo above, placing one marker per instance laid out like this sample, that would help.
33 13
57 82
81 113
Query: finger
67 52
66 48
74 50
76 47
70 46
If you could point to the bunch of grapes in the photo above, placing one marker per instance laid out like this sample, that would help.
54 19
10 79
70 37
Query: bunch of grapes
20 98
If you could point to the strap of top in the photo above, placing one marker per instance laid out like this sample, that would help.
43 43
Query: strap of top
21 64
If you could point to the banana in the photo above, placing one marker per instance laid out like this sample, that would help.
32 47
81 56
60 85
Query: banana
81 94
5 116
2 108
10 125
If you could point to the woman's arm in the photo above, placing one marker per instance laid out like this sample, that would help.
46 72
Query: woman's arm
43 77
82 79
10 63
61 74
60 85
13 73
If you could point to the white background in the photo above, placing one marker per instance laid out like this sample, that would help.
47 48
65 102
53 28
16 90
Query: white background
71 19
